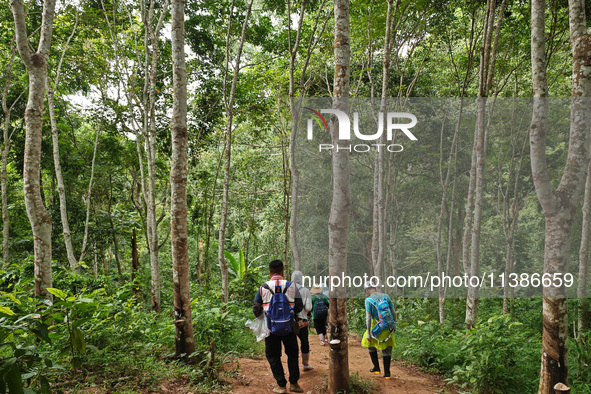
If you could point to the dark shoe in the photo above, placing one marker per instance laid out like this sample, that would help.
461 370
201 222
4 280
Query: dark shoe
387 361
375 361
295 388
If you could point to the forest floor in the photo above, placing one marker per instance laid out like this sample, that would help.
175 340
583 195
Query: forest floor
254 376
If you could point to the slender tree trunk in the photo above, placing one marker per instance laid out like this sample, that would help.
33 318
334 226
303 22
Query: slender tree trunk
95 261
378 229
511 218
36 64
89 194
485 83
338 225
56 156
151 35
183 320
60 181
295 119
559 205
584 307
200 260
6 149
113 232
135 262
226 182
479 135
295 110
445 185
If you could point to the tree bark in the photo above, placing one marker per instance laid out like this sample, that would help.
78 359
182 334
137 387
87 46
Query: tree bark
378 246
135 262
36 64
226 187
56 157
559 205
485 83
5 150
113 232
338 225
445 185
178 185
583 319
295 119
89 194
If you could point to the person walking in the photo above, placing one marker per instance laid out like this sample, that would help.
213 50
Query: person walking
280 300
302 319
319 313
380 320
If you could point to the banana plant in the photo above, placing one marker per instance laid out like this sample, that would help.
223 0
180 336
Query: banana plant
237 266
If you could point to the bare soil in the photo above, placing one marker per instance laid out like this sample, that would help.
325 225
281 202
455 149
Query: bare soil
254 376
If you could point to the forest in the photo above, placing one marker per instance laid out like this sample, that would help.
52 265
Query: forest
157 155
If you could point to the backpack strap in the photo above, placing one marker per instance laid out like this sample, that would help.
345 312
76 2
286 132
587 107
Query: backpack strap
287 284
266 286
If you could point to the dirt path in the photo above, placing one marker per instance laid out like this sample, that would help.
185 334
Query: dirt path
254 376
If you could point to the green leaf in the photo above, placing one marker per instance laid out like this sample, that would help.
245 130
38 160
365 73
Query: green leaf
6 310
78 340
242 263
13 380
233 262
12 297
28 375
7 365
78 322
45 387
57 292
42 332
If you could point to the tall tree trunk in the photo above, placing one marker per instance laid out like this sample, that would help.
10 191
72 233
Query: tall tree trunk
295 110
113 232
5 150
183 320
559 205
56 157
378 229
445 185
89 194
226 182
510 221
584 304
338 225
479 136
36 64
135 262
487 63
295 119
151 35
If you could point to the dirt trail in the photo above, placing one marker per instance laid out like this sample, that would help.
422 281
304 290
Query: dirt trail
254 376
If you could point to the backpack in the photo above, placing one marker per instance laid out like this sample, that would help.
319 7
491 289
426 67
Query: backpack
385 318
320 309
280 316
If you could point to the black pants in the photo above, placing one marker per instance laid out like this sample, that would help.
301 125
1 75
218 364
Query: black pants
273 353
304 343
320 325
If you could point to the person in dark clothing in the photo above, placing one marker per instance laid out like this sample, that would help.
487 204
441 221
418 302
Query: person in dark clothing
302 319
319 313
273 342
